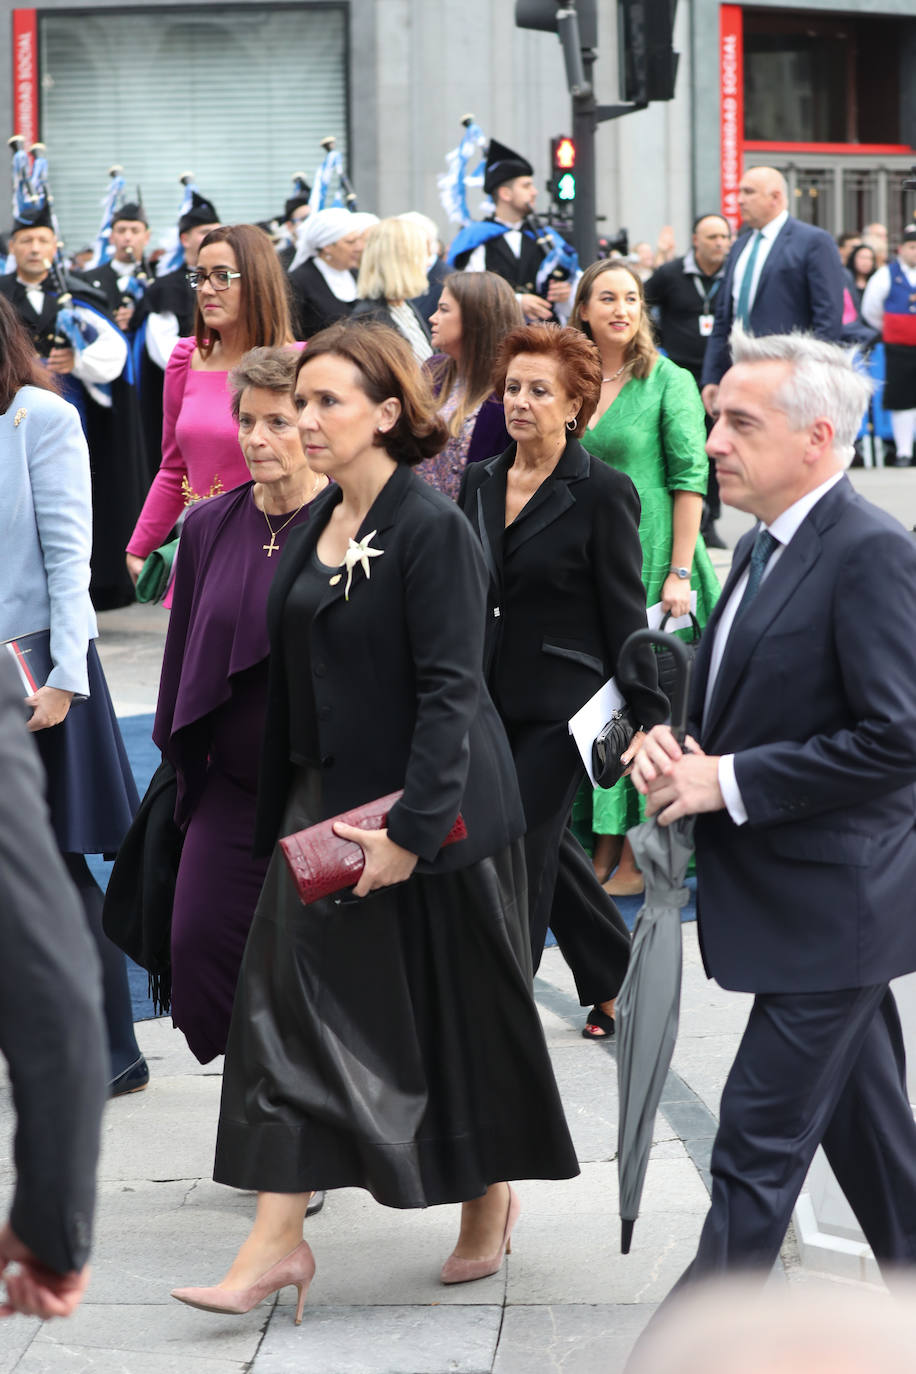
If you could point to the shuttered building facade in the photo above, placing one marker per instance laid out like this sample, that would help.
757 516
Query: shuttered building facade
239 95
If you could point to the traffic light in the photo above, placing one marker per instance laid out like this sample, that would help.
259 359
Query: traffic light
648 62
542 15
563 162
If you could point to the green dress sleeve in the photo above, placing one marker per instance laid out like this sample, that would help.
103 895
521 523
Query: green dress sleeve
683 429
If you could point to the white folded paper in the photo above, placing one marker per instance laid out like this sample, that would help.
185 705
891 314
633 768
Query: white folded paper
591 719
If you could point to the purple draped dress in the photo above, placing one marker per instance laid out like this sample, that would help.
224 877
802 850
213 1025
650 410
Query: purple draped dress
209 720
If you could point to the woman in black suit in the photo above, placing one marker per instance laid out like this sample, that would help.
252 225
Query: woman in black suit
390 1044
560 535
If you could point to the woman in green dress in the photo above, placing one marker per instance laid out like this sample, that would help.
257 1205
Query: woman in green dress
649 424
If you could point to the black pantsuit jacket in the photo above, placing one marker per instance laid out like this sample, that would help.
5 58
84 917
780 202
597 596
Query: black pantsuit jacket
51 1029
403 702
565 592
565 586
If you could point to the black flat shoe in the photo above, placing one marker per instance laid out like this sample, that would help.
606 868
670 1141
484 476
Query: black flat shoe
603 1024
316 1202
132 1080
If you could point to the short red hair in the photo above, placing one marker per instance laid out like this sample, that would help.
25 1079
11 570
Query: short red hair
577 358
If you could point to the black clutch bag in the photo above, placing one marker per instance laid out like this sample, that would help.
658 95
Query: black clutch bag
609 744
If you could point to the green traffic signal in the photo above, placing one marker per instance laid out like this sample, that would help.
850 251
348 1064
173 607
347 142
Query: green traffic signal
566 187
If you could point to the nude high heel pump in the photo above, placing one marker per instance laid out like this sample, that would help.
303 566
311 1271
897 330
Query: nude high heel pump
297 1268
456 1270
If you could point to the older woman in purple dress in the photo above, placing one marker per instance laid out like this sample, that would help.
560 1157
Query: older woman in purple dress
212 695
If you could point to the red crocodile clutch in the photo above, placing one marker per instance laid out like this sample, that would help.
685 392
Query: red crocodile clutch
323 863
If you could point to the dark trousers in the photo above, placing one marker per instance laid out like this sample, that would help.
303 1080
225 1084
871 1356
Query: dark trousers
812 1068
563 892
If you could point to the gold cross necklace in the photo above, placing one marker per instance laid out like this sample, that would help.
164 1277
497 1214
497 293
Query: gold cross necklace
273 546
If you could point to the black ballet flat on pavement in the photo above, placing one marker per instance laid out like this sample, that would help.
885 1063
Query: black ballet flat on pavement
133 1079
602 1021
316 1202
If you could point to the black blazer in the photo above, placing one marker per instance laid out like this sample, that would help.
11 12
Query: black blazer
105 280
520 272
41 324
51 1028
801 287
815 698
378 310
565 586
398 689
314 303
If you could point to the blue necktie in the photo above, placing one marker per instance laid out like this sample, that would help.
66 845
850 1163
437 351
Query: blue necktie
743 308
764 545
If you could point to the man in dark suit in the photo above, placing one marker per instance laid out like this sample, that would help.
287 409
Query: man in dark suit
51 1033
803 788
781 275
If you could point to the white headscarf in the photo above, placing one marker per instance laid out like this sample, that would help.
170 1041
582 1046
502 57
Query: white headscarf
321 229
362 220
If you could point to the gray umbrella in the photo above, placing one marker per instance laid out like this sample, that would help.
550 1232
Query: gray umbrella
648 1003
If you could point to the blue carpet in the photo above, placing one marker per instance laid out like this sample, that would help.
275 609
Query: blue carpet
144 760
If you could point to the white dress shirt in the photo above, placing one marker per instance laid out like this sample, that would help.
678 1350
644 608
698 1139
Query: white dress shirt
768 236
783 528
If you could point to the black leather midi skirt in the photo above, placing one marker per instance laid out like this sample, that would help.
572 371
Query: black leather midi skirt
391 1044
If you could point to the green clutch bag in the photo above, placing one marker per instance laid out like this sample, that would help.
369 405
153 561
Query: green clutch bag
156 574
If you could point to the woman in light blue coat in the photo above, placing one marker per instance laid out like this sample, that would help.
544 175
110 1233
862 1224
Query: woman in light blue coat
48 627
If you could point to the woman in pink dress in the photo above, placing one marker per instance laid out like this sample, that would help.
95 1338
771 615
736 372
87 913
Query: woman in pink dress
242 303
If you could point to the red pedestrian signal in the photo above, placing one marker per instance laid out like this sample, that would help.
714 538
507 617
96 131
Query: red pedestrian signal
563 162
564 155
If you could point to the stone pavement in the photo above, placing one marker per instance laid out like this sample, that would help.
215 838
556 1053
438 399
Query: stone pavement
566 1300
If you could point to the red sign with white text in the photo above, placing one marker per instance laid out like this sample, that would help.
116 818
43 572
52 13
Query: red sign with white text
25 75
731 107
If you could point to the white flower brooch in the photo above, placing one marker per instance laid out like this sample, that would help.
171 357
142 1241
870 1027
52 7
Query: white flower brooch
357 553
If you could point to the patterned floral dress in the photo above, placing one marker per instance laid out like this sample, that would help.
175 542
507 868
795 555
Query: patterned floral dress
446 469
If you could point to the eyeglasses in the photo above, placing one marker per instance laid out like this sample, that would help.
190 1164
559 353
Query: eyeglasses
220 278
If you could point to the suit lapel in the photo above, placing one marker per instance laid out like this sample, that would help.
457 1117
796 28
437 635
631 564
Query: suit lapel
731 265
773 258
551 500
491 513
740 560
379 521
38 320
795 562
